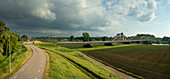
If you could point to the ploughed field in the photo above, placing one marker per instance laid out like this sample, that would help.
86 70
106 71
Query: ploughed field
148 61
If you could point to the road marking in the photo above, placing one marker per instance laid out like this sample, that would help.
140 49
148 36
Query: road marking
35 77
15 77
38 70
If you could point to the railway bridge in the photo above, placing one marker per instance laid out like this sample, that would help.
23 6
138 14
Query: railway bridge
119 38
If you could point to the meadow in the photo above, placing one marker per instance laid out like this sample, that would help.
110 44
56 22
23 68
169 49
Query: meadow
148 61
96 46
66 63
17 59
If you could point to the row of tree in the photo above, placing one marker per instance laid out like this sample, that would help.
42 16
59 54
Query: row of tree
86 37
7 37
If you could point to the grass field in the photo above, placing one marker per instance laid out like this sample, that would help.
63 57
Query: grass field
151 62
60 68
17 59
66 63
96 46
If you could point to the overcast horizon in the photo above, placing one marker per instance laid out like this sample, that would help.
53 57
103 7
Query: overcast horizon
97 17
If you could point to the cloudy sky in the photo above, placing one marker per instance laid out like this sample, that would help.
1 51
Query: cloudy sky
98 17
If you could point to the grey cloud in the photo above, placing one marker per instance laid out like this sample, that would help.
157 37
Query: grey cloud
140 10
147 17
21 8
152 5
64 15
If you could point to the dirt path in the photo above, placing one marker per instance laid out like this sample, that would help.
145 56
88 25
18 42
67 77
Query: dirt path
108 68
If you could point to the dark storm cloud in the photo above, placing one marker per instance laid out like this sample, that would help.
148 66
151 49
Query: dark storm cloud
53 14
62 16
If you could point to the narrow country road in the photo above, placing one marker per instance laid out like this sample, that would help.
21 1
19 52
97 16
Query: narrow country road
34 68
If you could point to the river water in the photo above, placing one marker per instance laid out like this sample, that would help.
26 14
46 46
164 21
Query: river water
160 44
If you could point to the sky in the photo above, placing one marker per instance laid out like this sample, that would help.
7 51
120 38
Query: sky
97 17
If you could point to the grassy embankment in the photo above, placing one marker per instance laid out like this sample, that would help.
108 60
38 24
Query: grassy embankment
102 46
17 60
66 63
96 46
151 62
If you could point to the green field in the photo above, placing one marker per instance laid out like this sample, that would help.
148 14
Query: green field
66 63
148 61
96 46
17 59
60 68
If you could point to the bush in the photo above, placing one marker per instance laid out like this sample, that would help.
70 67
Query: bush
108 44
88 45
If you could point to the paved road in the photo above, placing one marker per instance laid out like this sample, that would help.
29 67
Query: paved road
34 68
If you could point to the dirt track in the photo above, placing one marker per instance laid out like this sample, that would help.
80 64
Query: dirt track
108 68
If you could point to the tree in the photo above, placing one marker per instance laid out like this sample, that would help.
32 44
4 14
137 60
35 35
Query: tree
86 36
146 36
91 39
158 42
3 27
105 38
5 34
72 38
1 50
5 41
169 41
148 42
24 37
110 38
19 38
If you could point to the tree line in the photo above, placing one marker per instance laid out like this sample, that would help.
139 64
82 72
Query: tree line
8 37
86 37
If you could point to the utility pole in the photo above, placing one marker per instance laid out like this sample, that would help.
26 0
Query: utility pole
9 55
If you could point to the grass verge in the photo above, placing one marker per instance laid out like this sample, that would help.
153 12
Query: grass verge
60 68
77 60
19 58
47 68
96 46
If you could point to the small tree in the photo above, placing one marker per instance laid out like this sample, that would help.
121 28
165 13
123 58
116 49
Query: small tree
24 37
91 39
3 27
105 38
158 41
72 38
86 36
5 33
148 42
169 41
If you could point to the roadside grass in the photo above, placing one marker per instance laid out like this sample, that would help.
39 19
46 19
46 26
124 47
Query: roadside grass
149 61
47 68
96 46
60 68
17 60
86 66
